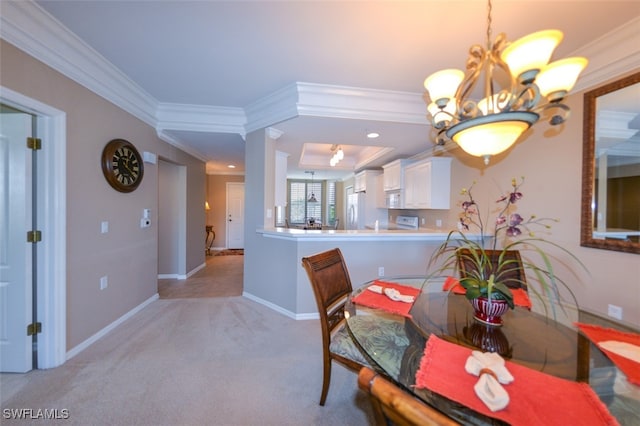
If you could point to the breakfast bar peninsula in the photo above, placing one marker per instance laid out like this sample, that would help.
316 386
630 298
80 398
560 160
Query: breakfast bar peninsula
284 285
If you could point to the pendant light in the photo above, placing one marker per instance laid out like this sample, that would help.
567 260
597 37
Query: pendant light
312 196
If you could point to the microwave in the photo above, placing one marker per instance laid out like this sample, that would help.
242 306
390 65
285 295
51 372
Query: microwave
392 200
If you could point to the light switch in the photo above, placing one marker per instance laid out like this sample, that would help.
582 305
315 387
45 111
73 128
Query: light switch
104 226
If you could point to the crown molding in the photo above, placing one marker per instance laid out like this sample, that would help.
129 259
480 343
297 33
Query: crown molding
320 100
272 109
33 30
201 118
614 54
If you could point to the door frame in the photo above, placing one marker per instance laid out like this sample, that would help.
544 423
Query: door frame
51 218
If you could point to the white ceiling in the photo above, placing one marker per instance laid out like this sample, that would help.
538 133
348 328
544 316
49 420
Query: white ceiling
233 54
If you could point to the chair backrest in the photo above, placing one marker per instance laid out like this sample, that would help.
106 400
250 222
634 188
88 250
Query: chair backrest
394 405
331 285
512 274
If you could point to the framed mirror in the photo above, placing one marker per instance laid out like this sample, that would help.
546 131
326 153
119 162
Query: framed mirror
611 167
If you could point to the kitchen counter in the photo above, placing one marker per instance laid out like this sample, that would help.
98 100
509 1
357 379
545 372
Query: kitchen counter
421 234
277 279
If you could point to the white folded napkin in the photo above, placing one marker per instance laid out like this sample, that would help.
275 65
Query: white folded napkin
375 288
492 371
627 350
391 293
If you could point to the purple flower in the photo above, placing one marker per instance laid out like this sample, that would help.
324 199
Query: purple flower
515 219
513 231
500 220
515 196
467 204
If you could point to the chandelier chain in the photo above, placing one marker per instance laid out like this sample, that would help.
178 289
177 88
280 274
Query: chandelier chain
489 7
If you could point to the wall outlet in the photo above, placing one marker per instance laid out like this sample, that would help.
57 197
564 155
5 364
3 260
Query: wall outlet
438 223
381 271
615 312
423 220
104 282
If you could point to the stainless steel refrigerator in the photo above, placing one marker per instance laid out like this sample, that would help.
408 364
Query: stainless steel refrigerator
362 213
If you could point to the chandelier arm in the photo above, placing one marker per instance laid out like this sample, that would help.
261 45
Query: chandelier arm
528 99
559 112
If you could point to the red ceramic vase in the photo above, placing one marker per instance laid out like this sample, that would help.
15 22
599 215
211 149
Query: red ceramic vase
489 312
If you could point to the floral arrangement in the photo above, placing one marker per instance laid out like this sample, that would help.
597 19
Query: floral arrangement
489 271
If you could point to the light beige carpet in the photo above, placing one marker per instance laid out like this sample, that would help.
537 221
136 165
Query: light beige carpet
195 361
222 277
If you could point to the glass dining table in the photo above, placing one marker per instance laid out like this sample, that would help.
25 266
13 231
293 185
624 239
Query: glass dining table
525 338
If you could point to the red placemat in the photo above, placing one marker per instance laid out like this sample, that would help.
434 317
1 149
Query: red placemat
520 297
599 334
381 301
535 398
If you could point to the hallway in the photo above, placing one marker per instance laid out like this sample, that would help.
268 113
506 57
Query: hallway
221 277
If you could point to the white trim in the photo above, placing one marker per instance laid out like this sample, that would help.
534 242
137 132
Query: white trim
614 54
181 276
279 309
322 100
201 118
167 276
52 251
100 334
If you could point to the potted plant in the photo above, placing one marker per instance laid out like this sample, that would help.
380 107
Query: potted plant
488 266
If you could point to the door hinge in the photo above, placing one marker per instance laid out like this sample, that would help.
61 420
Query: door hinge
34 236
34 143
34 328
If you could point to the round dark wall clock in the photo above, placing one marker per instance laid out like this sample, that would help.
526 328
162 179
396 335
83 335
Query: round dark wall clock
122 165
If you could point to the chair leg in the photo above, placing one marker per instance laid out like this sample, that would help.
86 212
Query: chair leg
326 380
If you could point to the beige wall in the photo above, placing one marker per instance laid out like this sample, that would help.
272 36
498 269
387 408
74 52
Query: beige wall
127 254
217 198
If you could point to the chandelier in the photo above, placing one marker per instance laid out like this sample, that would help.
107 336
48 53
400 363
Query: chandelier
519 86
338 155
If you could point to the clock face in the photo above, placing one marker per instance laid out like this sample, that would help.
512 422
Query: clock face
122 165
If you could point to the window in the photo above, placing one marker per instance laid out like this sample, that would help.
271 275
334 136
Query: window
331 203
300 208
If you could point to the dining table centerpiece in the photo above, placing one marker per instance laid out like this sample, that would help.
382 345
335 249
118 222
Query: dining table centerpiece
488 257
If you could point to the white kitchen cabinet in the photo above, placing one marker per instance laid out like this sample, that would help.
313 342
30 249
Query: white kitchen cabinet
428 184
394 175
366 180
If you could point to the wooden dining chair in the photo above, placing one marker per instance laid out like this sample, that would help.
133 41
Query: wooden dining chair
331 284
393 405
513 275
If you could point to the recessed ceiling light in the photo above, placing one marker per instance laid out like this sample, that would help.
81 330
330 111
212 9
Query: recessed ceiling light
231 166
372 135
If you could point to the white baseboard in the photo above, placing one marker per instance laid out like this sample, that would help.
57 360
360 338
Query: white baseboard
91 340
181 276
270 305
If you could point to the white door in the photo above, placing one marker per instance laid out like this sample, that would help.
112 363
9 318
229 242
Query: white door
235 215
15 252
